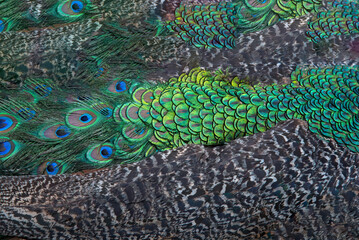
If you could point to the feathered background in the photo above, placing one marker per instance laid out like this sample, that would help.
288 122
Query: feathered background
92 84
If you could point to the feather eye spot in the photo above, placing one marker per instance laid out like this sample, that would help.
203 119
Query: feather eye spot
120 86
5 148
72 8
2 25
85 118
4 122
81 118
52 168
55 132
7 123
77 6
62 132
106 151
101 153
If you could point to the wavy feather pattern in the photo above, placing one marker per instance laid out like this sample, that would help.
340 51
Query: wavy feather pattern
84 85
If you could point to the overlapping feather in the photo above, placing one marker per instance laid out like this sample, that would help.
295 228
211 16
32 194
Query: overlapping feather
342 18
65 132
218 25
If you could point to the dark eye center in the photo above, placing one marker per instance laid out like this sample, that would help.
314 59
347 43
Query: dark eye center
75 6
2 25
61 132
84 118
104 152
3 146
50 168
3 123
120 86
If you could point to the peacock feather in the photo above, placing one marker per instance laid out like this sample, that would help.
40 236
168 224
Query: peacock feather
39 14
92 48
218 25
341 19
130 120
85 84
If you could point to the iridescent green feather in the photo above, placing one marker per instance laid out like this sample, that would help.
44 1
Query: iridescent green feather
218 25
341 19
56 131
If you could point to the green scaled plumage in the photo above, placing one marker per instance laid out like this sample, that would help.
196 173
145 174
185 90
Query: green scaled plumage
50 131
218 25
341 18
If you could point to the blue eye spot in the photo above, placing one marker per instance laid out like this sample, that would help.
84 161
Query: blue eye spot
85 118
2 25
99 72
121 86
62 132
5 123
106 151
43 90
52 168
77 6
107 112
26 113
5 148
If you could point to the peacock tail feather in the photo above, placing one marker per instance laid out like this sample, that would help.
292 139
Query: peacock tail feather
103 46
114 117
91 44
53 131
86 84
40 14
217 26
342 18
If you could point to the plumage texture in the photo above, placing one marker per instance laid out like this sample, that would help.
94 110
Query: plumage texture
131 120
34 47
216 26
342 18
158 57
65 120
284 183
38 13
